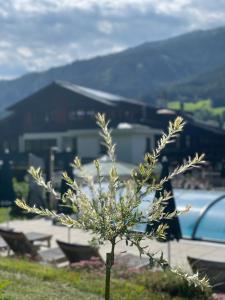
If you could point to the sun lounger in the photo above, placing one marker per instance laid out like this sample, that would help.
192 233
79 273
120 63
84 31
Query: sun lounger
3 245
214 270
40 239
76 253
37 238
21 246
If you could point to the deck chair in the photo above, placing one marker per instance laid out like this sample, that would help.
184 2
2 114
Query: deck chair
21 246
214 270
76 253
3 245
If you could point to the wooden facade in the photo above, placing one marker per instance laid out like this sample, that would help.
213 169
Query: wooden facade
62 107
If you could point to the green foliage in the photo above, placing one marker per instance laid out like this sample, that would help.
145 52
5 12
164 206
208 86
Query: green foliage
111 214
192 106
21 188
209 84
175 286
202 110
26 279
205 105
4 214
3 285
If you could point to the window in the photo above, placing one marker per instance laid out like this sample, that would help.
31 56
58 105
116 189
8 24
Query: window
28 119
148 147
39 145
157 138
80 114
59 116
72 115
13 145
74 146
47 117
102 150
187 141
178 143
90 113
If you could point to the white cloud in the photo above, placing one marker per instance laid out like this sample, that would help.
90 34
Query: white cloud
105 26
4 44
205 18
3 55
28 6
25 52
116 48
39 34
3 13
170 7
46 6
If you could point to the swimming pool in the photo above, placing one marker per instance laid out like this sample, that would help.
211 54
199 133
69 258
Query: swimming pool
206 218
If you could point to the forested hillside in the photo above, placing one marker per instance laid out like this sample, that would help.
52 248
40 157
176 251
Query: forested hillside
207 85
141 72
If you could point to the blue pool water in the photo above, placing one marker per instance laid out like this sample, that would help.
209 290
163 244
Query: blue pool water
212 223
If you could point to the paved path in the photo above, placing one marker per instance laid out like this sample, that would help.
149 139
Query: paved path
179 250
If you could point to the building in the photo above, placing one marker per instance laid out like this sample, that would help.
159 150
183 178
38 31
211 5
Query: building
62 115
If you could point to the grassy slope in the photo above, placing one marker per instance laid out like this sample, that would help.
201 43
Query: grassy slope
207 85
27 280
199 105
24 287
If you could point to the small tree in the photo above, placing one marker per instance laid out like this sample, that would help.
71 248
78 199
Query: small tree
111 214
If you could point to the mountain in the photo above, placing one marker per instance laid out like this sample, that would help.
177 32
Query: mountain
135 72
207 85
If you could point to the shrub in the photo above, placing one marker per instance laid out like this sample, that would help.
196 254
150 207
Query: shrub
111 214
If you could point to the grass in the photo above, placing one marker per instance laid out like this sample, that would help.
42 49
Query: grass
21 286
4 214
199 105
23 280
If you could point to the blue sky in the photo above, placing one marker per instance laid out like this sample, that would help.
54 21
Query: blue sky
39 34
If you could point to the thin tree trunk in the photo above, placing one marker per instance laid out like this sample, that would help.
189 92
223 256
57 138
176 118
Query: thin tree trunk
109 264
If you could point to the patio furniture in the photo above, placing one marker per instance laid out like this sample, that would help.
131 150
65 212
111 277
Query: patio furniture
85 255
3 245
36 237
76 253
21 246
214 270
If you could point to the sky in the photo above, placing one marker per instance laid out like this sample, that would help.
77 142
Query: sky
36 35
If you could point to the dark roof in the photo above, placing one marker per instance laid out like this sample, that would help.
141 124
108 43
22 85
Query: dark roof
203 125
5 114
191 120
111 100
96 95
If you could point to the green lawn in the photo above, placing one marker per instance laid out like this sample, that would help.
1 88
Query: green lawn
25 280
21 286
4 214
